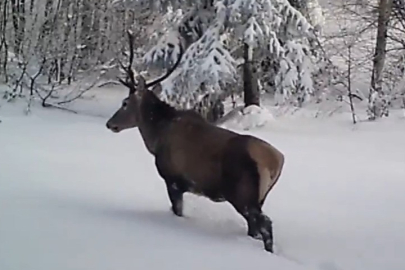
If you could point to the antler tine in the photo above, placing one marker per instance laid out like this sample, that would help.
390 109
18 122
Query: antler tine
170 71
130 73
131 47
125 69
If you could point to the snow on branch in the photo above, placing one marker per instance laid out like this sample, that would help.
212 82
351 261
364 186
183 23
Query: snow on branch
207 62
269 26
166 51
275 27
295 76
253 32
188 29
295 17
263 21
275 46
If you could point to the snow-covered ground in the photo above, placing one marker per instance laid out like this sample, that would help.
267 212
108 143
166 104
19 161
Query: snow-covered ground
75 196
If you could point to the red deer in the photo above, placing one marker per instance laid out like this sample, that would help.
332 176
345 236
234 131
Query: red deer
195 156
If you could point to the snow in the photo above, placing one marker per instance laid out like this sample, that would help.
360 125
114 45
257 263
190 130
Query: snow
75 196
248 118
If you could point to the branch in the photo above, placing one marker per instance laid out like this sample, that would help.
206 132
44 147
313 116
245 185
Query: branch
79 95
33 82
47 105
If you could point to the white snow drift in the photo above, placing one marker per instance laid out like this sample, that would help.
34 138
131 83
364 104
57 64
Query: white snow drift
75 196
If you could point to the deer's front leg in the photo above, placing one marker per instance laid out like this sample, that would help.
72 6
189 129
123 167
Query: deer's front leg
176 197
173 184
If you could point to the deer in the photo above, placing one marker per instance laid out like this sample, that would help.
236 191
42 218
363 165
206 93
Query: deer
195 156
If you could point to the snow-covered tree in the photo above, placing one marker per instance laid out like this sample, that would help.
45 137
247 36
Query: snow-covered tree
49 46
212 35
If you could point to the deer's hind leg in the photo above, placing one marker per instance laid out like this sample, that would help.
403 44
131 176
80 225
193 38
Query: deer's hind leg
264 225
259 225
242 191
253 230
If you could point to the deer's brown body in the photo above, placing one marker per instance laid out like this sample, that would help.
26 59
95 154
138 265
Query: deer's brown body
193 155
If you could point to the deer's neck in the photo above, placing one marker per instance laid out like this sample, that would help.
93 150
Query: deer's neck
156 116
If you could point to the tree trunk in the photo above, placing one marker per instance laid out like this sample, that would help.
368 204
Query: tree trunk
250 87
300 5
3 40
105 30
378 105
95 31
32 4
74 58
86 36
21 25
15 16
67 25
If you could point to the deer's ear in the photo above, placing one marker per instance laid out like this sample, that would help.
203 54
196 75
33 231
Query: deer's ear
157 89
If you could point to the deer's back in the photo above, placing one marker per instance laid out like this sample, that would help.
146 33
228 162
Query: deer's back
210 158
193 149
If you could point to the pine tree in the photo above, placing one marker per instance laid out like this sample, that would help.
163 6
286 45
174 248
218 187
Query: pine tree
210 36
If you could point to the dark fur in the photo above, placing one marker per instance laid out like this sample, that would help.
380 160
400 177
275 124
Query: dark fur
193 155
185 146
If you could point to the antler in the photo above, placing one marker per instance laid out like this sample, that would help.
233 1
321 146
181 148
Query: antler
130 73
170 71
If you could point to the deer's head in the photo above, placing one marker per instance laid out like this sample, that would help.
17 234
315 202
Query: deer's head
128 115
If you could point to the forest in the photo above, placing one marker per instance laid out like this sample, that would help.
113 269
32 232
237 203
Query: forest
348 54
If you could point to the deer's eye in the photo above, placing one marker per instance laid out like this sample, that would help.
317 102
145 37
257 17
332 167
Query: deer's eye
124 104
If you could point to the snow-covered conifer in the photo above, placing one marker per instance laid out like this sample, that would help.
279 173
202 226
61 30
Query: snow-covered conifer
269 27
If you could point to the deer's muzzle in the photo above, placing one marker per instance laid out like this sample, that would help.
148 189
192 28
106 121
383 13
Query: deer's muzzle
112 127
